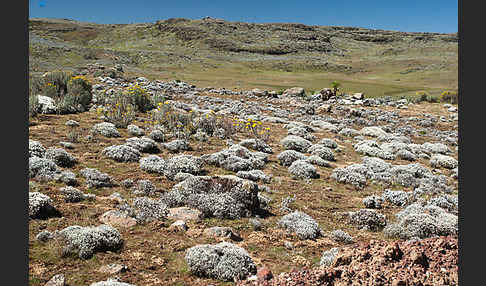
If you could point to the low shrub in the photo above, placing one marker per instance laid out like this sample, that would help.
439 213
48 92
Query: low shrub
33 105
118 110
449 97
140 98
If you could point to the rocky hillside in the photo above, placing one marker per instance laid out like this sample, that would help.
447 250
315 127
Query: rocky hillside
200 50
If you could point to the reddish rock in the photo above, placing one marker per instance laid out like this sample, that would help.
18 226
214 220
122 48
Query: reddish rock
117 219
185 214
264 273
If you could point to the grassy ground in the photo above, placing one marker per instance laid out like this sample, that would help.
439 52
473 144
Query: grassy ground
184 51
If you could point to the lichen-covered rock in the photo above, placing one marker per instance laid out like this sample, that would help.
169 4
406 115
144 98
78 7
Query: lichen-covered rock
106 129
111 282
122 153
302 224
86 241
301 169
222 261
349 132
406 155
40 206
316 160
372 131
292 142
435 148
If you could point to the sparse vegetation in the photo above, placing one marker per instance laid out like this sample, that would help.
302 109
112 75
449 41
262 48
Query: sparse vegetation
118 110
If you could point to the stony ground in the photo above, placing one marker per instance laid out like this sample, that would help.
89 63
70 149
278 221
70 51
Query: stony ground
382 171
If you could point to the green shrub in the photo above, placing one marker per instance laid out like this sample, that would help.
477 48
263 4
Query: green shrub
118 110
71 94
335 87
80 88
449 97
140 98
33 105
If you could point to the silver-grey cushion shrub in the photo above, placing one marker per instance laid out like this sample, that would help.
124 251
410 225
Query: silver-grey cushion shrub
143 144
96 179
286 158
341 236
222 261
177 145
122 153
216 196
301 169
134 130
36 149
367 219
292 142
40 206
86 241
111 282
183 164
61 157
153 164
302 224
328 257
106 129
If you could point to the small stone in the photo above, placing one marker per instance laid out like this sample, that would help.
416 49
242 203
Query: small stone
264 273
56 280
185 214
179 225
118 219
113 268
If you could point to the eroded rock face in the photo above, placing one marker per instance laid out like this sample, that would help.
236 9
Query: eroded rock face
432 261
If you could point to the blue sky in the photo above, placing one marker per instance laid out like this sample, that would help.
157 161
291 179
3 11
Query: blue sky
400 15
